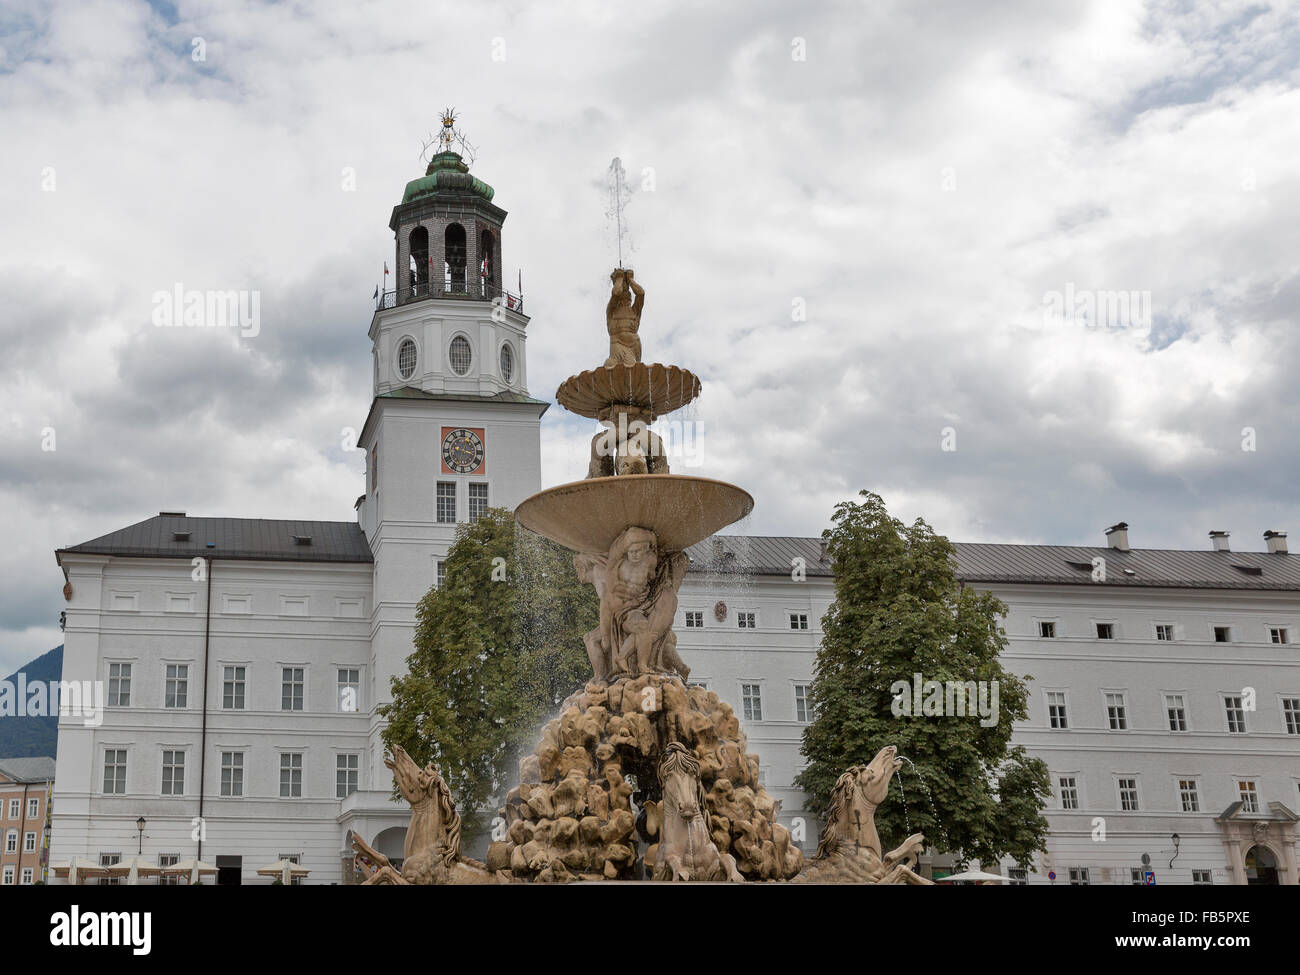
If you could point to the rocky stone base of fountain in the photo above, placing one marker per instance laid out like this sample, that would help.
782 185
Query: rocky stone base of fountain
572 815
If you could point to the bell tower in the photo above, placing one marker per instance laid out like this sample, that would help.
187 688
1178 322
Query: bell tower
452 429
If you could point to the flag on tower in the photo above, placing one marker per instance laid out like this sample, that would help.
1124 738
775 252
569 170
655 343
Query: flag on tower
376 292
385 269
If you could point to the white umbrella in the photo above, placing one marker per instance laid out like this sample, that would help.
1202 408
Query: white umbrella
285 869
78 867
192 867
977 875
133 868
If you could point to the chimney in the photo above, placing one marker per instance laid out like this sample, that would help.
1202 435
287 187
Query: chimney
1220 541
1276 542
1117 536
824 546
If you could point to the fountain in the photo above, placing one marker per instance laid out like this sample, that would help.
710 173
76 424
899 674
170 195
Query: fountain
642 775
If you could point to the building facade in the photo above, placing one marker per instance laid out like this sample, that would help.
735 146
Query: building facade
24 819
243 660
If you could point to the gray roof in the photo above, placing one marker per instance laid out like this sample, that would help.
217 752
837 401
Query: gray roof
1052 564
232 538
760 555
40 769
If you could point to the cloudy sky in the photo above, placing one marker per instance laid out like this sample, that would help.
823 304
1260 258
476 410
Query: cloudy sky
873 229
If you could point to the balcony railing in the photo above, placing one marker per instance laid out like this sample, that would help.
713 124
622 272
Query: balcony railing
479 290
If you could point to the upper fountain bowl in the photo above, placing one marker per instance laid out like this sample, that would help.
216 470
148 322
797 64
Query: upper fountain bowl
587 516
654 390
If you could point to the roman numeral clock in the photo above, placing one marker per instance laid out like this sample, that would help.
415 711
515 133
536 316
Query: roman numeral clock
462 451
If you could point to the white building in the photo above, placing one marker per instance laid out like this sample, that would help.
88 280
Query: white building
243 659
1165 696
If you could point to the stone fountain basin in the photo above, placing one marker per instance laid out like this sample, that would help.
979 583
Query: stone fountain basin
681 510
654 389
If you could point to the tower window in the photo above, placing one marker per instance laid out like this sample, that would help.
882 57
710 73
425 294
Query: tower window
406 359
507 364
461 355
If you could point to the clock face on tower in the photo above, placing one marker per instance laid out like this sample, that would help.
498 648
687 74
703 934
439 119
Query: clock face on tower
462 450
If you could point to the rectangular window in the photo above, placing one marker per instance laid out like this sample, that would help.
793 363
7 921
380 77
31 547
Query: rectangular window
114 771
110 860
1277 634
1116 714
119 685
1128 794
234 680
803 711
1188 796
232 774
751 699
1249 795
1069 792
478 500
1105 631
1223 634
177 686
1056 709
291 775
1164 631
8 876
169 860
440 573
694 619
447 502
745 621
1236 714
291 684
345 776
1176 709
11 841
1079 876
14 806
1291 714
349 690
28 875
173 773
29 842
1017 876
798 621
33 808
1202 877
1047 629
1135 876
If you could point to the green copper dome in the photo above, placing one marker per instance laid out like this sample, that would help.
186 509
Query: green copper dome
447 171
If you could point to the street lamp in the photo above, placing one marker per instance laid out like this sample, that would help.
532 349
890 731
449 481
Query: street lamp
1176 838
139 825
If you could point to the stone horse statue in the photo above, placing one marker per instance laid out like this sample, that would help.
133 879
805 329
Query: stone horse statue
432 851
850 850
686 848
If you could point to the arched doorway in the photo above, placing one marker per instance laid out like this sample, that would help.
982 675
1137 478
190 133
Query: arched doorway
392 844
1261 866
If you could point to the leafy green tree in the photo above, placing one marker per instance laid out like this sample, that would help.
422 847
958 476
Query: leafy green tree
497 648
900 610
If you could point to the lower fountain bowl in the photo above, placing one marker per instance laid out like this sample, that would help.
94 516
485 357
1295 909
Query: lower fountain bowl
681 510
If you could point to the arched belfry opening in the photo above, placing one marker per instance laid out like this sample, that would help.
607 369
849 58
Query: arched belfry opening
454 243
419 269
488 271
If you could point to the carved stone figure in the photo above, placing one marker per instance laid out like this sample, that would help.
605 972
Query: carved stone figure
686 850
850 850
623 318
432 851
637 585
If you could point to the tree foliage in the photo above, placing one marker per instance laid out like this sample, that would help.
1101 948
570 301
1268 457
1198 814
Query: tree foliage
900 610
496 649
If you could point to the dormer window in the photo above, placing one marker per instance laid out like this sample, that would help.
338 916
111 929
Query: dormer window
406 356
460 355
